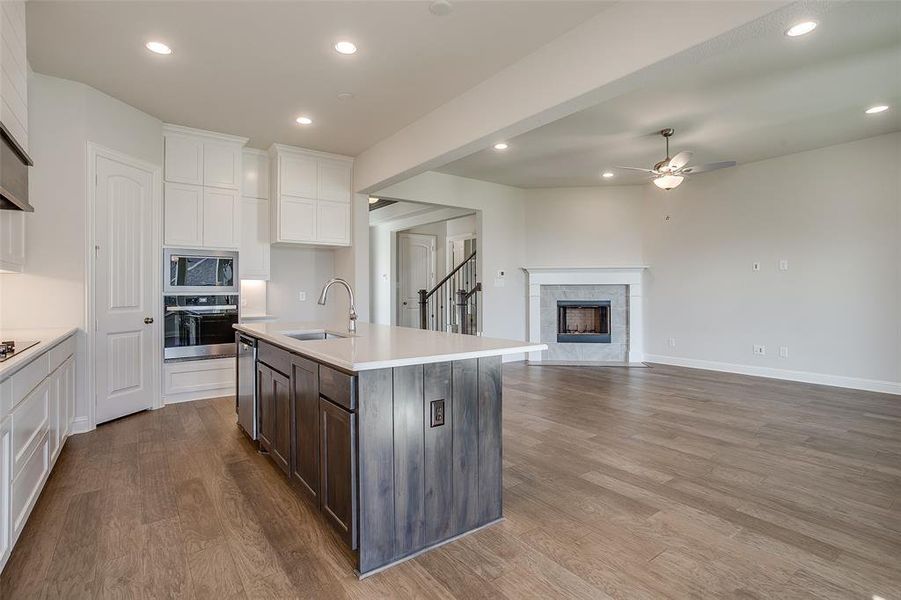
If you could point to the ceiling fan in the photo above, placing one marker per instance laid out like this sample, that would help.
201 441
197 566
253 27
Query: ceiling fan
670 172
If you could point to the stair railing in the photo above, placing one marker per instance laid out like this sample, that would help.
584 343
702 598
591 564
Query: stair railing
452 304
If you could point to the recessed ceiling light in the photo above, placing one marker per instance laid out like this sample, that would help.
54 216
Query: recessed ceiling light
345 47
304 120
877 109
802 28
158 48
441 8
501 146
607 174
345 96
373 199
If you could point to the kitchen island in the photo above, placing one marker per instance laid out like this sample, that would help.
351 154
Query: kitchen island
394 433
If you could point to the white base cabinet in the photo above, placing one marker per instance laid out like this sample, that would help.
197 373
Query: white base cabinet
310 197
37 405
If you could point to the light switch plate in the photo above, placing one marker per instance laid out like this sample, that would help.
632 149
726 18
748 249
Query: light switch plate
302 296
755 266
783 265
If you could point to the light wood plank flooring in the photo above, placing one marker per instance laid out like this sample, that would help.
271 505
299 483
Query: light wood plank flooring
619 483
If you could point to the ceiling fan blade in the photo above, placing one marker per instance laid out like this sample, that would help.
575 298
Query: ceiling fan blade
708 167
637 169
680 160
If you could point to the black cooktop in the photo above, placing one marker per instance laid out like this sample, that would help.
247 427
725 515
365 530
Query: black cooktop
9 348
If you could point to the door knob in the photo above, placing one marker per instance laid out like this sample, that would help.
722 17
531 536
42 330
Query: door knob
148 320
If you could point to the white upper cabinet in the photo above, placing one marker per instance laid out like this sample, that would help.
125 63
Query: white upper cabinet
255 250
183 208
184 159
14 70
334 180
222 165
310 197
298 175
203 172
256 173
221 218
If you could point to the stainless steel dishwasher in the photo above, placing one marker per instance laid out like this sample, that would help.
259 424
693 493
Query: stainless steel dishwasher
246 396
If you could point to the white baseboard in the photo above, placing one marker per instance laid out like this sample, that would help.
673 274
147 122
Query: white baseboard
857 383
198 395
80 425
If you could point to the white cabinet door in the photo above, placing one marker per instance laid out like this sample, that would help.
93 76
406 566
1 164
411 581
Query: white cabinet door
334 180
56 390
12 240
254 262
333 222
255 165
184 159
298 176
297 219
5 490
183 215
222 165
221 218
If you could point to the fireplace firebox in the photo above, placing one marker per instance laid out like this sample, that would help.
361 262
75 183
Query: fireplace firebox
583 321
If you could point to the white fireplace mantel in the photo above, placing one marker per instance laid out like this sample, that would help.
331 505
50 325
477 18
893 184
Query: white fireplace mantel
630 276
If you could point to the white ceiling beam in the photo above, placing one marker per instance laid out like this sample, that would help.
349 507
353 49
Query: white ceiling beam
566 75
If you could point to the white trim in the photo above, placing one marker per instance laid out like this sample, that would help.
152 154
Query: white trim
274 149
857 383
631 277
213 135
89 422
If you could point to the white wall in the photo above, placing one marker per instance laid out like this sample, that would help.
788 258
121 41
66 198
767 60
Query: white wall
502 235
579 227
63 117
834 214
303 269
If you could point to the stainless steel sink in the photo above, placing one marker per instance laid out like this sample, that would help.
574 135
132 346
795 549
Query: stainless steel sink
309 336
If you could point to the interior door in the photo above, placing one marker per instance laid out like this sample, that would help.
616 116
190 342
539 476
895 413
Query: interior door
416 271
124 299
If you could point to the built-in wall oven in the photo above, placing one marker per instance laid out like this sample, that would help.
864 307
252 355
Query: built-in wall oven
200 325
200 272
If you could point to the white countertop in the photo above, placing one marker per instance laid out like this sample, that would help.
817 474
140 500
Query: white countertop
47 339
382 346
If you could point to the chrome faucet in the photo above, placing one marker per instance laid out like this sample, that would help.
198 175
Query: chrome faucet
352 325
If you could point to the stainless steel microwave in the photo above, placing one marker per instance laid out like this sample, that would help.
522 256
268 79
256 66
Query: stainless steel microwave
200 272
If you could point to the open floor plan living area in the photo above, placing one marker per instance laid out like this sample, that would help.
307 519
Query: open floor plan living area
450 299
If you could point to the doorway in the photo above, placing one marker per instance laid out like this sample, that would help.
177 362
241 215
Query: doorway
124 285
416 263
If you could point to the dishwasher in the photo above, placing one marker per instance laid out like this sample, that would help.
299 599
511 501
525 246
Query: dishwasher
246 396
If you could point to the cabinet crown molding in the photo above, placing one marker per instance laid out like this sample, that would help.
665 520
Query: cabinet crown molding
285 149
211 135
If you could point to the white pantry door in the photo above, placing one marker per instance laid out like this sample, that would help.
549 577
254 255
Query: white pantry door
123 289
416 271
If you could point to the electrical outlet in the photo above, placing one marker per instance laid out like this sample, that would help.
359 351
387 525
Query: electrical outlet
755 266
783 265
302 296
759 350
783 351
671 342
437 413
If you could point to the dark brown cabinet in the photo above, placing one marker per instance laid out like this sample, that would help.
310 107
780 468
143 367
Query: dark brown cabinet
274 415
338 469
305 406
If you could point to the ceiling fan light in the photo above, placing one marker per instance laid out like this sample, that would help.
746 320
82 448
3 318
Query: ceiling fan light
668 182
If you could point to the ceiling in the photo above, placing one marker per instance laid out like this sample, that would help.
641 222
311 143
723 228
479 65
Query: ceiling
750 95
250 68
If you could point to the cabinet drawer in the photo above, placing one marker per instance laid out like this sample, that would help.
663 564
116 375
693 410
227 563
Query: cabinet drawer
338 387
29 422
28 377
27 485
61 352
275 357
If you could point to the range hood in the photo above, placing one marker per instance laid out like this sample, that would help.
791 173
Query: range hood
14 163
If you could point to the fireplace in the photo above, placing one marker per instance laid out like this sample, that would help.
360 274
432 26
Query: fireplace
583 321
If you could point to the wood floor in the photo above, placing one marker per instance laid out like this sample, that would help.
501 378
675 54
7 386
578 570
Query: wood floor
620 483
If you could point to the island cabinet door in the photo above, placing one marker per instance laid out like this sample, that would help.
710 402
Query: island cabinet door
305 407
264 408
338 469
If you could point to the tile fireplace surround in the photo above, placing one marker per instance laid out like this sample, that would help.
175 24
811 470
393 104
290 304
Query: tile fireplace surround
548 284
